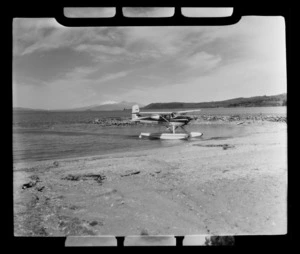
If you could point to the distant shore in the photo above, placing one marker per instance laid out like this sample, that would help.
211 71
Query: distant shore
220 186
201 119
256 101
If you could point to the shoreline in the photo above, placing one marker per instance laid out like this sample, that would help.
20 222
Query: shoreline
202 119
255 123
197 188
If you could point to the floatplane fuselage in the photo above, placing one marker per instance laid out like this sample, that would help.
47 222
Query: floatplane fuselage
171 120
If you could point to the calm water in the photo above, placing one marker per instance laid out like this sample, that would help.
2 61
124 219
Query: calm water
54 135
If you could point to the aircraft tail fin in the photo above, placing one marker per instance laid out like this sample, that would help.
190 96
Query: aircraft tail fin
135 111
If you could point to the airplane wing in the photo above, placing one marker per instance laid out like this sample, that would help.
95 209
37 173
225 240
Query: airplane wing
156 113
170 113
187 111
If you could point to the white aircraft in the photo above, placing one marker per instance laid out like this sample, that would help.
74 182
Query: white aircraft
171 120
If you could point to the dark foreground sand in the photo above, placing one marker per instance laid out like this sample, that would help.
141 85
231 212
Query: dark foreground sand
223 186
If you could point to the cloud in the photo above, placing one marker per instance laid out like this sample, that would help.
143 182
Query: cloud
164 63
112 76
108 53
79 73
29 34
42 34
35 23
165 41
124 43
153 77
203 61
108 102
240 78
110 50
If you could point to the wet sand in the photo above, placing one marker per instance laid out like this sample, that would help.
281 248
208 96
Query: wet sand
232 186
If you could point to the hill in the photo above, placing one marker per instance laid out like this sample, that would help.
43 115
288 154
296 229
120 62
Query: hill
108 107
26 109
104 107
257 101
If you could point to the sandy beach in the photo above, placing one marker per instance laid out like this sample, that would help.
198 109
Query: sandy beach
232 186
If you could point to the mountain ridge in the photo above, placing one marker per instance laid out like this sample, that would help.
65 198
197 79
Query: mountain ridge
102 107
255 101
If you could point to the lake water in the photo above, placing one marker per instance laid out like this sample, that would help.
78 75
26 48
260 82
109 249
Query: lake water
53 135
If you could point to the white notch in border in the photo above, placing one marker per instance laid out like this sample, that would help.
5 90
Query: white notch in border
204 12
89 12
195 240
72 241
148 12
149 240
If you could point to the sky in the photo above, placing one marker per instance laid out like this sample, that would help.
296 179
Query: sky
58 67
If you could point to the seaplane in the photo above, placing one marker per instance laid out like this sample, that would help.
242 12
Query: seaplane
171 120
